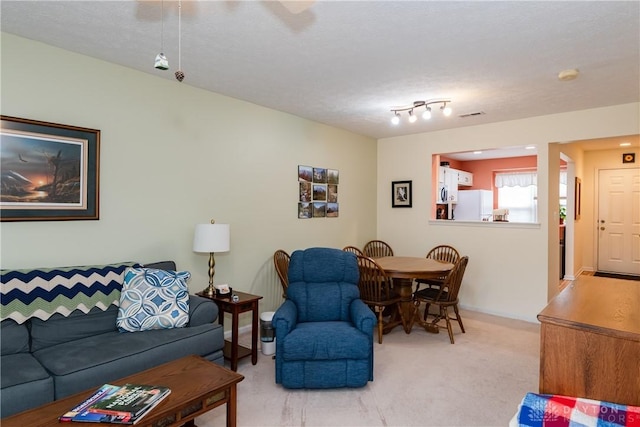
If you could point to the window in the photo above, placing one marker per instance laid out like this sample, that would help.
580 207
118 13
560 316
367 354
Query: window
563 188
518 192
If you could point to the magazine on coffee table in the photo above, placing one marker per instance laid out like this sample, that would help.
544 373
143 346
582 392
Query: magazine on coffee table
125 404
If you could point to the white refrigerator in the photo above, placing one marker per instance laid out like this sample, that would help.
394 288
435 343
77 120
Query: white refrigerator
473 205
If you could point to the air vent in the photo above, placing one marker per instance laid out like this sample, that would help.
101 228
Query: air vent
477 113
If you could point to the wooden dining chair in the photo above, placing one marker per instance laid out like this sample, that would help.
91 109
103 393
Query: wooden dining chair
443 297
445 253
377 249
376 290
354 250
281 261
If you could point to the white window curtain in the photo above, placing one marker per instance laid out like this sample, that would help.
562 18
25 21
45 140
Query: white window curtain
517 192
516 179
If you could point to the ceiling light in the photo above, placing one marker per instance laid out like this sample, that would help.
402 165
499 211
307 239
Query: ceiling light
426 114
566 75
530 147
477 152
161 63
625 144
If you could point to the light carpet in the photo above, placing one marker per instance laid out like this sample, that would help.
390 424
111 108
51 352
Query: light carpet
420 379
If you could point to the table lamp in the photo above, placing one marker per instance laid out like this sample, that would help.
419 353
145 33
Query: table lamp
211 238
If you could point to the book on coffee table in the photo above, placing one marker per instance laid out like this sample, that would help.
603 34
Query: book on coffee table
125 404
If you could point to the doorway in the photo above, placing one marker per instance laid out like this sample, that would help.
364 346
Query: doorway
618 220
568 196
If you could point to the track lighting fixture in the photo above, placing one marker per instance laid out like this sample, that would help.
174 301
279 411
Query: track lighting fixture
426 115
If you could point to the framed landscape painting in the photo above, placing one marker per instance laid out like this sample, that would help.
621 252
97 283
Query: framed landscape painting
50 172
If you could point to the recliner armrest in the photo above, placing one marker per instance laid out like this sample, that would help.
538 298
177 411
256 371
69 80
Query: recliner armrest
362 317
285 319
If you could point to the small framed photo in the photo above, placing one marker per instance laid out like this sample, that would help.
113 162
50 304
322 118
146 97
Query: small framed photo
333 210
332 193
401 194
305 173
305 191
319 175
333 176
320 192
304 210
319 209
50 171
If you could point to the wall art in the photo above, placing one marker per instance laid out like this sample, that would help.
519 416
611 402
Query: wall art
50 171
401 194
318 192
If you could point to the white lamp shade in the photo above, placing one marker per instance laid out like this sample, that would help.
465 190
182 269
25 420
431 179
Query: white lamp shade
211 238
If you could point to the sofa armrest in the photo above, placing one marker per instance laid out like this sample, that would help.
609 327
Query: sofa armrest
201 310
362 317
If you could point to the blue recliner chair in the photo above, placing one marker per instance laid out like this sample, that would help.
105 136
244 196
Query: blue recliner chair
324 332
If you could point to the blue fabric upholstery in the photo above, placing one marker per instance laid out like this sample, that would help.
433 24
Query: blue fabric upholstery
324 332
74 350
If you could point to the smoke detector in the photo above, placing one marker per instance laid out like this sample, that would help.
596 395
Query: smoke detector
566 75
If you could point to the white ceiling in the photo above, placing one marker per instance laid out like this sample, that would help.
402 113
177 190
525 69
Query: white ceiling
347 63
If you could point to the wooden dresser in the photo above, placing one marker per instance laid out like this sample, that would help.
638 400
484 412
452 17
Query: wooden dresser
590 341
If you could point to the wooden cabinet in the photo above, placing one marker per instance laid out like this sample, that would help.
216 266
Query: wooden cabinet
590 341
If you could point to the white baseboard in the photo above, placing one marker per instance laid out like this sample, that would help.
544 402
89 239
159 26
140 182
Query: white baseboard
241 330
500 314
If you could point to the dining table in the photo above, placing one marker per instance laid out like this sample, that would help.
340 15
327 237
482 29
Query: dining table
403 270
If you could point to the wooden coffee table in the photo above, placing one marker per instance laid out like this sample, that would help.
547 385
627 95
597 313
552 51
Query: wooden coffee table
197 386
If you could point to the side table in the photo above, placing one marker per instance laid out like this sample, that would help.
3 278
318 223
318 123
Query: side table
246 302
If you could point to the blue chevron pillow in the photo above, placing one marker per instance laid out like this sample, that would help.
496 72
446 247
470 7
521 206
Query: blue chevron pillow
153 299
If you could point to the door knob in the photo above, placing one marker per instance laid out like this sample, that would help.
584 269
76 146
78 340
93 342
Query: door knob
602 221
601 228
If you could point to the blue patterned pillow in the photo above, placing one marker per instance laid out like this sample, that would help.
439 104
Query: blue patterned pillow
153 299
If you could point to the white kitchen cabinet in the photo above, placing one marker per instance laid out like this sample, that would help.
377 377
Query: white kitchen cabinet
448 178
465 178
448 181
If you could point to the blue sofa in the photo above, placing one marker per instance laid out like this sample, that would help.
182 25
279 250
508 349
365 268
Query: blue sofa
324 332
76 349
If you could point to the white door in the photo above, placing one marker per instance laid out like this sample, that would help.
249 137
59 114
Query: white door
619 221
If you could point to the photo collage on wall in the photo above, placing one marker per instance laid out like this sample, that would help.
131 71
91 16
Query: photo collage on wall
318 192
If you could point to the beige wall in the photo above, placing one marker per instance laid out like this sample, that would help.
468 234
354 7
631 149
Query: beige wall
594 161
173 156
513 270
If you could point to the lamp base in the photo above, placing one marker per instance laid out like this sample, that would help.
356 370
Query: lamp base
209 291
